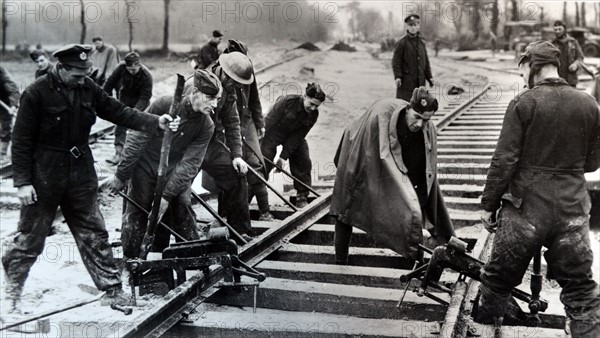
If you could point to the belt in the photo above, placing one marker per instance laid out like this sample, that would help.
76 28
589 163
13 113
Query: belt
75 151
530 168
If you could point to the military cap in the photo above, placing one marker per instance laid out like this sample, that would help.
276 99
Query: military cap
313 90
217 33
559 23
540 53
97 38
412 18
34 55
131 58
207 82
423 100
74 55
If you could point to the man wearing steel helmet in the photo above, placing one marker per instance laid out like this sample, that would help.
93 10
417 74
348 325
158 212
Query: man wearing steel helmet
549 138
141 157
54 167
386 181
133 83
223 160
287 123
253 129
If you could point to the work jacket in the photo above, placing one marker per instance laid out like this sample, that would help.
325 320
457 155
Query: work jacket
134 90
372 190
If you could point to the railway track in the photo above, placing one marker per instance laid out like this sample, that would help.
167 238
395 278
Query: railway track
307 295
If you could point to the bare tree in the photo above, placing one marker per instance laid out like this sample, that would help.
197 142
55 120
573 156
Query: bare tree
495 17
476 18
370 24
515 9
565 18
354 8
165 43
83 24
129 4
4 26
582 18
576 14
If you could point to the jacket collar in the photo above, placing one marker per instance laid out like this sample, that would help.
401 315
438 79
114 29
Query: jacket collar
55 80
552 81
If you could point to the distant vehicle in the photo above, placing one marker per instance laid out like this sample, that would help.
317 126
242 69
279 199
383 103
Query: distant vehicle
518 34
589 42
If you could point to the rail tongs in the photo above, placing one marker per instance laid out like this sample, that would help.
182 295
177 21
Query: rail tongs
453 255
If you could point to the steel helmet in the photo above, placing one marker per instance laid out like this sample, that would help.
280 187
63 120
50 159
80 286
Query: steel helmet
236 46
238 67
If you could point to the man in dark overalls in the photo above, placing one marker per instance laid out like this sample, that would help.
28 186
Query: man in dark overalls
54 167
549 138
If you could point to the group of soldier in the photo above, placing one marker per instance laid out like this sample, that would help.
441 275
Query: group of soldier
386 182
219 128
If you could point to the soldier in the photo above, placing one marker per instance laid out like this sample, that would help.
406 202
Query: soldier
135 82
549 138
386 181
104 58
141 158
253 129
288 122
53 166
571 55
41 60
209 53
9 95
410 62
223 160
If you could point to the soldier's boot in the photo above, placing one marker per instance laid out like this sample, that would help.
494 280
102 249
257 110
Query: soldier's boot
491 308
117 157
266 216
301 201
13 311
4 152
584 322
116 296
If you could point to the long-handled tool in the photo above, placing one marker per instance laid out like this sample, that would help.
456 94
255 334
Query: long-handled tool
52 312
262 179
282 170
139 207
161 180
219 218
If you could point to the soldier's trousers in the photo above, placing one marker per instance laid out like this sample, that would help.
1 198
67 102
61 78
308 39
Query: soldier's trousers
6 123
77 195
179 216
217 163
300 163
569 259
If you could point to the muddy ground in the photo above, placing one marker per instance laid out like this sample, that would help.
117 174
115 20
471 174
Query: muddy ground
353 81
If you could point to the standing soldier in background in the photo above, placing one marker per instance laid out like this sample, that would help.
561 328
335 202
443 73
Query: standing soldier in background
571 55
288 122
104 58
41 60
135 81
410 61
54 167
550 136
9 95
253 129
209 53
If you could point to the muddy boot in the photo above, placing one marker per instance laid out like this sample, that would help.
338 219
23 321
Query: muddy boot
491 308
11 309
584 322
266 216
301 202
117 157
115 296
